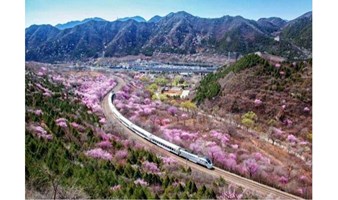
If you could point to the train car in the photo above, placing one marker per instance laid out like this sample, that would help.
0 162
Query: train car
136 130
205 162
141 131
165 144
190 156
196 159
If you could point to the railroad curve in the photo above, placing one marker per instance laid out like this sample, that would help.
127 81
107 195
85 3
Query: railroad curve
217 172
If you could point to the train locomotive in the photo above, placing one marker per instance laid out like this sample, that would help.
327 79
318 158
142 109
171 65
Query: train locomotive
202 160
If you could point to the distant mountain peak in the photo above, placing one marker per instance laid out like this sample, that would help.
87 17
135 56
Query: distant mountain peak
155 19
40 26
72 24
135 18
180 14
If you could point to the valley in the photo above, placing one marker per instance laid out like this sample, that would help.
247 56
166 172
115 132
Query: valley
173 107
266 147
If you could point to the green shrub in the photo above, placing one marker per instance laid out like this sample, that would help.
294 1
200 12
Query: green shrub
248 119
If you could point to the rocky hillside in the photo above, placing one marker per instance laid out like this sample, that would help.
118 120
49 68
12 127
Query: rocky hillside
279 95
179 32
299 31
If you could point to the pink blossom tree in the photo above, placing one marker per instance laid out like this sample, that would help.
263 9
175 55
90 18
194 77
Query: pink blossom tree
104 144
150 167
141 182
172 110
275 134
184 116
38 112
283 180
41 132
230 193
103 135
258 156
223 138
230 162
62 122
102 120
258 102
99 153
198 145
292 139
178 135
216 154
121 154
251 166
168 160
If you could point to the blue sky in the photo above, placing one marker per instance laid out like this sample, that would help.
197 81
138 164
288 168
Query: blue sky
61 11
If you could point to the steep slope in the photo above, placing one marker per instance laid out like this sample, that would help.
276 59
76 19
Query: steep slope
272 24
35 37
174 33
129 39
244 36
299 31
36 34
92 39
279 95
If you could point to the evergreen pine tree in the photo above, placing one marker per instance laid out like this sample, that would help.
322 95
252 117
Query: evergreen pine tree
166 182
193 188
184 196
210 194
180 188
165 196
137 174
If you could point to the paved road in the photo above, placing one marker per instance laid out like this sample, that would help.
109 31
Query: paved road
217 172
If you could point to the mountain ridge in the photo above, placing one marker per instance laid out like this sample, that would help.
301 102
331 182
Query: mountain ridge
72 24
178 32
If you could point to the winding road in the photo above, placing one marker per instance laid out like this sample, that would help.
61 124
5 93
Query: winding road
217 172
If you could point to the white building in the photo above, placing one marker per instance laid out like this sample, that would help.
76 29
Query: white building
184 94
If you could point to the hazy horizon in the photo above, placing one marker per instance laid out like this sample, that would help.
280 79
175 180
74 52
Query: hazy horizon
62 11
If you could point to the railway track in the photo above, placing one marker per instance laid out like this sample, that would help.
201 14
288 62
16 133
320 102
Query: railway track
217 172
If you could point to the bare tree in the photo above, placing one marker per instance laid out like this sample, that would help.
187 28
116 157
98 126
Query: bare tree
54 178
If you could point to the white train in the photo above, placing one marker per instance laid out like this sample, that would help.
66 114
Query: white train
156 140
